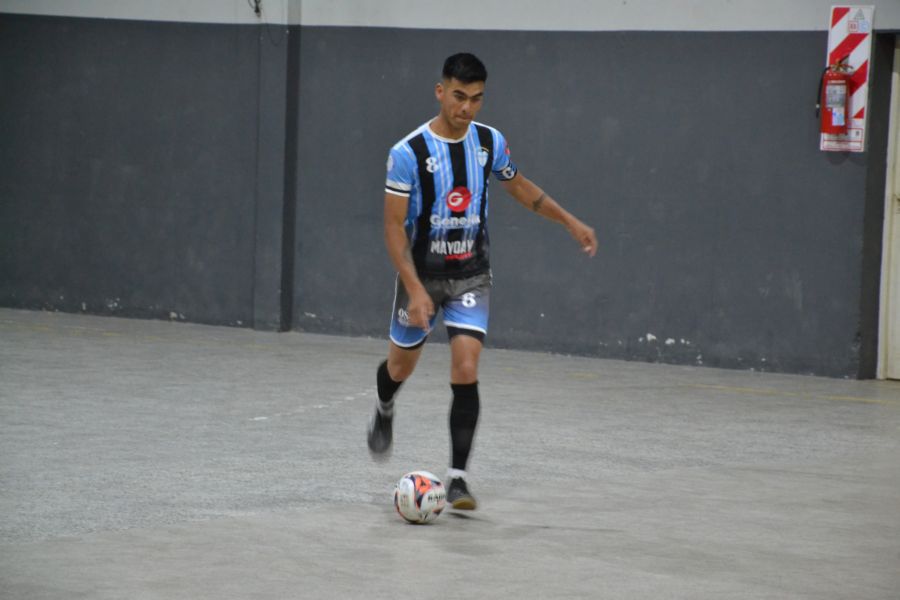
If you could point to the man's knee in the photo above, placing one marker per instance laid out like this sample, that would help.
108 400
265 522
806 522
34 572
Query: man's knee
402 362
465 374
400 371
466 352
465 369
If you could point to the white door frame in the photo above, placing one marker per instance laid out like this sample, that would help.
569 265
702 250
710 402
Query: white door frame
891 218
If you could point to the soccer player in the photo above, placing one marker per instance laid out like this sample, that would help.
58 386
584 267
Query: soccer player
435 229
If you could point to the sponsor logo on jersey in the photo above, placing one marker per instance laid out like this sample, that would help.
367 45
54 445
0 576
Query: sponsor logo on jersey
454 222
458 250
483 156
508 173
390 163
459 198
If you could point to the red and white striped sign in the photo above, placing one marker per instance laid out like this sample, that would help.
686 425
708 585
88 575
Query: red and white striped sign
850 37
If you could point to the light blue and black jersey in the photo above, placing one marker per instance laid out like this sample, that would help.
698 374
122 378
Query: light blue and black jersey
446 182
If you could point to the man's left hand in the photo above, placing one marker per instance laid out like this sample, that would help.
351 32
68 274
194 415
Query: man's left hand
584 235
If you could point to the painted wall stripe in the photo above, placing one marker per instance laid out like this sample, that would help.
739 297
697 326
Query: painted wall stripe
839 13
846 46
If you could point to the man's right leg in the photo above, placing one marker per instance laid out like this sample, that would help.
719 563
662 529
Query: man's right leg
403 354
400 364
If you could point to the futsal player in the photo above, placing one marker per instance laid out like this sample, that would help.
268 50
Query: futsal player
435 230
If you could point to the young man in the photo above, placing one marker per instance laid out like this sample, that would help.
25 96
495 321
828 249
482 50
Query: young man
435 229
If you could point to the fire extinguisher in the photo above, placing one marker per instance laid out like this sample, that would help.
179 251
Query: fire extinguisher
834 98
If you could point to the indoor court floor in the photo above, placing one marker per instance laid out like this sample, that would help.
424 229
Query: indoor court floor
149 459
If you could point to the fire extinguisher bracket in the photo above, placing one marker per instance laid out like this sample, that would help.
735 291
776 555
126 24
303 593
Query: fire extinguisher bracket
844 84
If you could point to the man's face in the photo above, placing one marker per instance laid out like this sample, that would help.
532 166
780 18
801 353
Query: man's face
460 102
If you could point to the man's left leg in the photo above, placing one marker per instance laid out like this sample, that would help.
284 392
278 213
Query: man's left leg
464 409
466 317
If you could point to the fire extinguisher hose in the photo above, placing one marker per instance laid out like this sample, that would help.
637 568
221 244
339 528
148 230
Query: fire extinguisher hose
819 93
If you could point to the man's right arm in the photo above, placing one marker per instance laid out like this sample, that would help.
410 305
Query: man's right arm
420 308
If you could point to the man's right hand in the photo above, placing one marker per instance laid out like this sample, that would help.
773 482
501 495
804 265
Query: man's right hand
420 308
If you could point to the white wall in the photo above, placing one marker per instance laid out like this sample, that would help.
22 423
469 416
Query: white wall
201 11
543 15
589 15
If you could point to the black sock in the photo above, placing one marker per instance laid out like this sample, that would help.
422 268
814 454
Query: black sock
463 420
387 387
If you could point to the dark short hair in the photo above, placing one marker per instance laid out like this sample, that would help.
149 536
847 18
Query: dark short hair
465 68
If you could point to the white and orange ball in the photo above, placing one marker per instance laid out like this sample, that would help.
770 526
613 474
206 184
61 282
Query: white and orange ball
419 497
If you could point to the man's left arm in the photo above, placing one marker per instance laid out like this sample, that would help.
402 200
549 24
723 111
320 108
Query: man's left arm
534 198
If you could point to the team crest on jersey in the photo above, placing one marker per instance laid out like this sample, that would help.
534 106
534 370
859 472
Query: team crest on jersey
483 156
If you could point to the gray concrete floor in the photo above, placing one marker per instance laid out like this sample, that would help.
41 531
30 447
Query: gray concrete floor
144 459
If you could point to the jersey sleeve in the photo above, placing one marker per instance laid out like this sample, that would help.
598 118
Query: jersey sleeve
504 169
400 172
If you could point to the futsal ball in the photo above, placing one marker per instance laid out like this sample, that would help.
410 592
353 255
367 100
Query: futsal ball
419 497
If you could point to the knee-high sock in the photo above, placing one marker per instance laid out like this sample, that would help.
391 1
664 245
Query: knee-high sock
463 421
387 387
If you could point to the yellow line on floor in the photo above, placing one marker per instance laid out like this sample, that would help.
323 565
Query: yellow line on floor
770 392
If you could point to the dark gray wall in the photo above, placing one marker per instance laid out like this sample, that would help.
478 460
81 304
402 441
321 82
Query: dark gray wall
695 156
234 174
128 169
